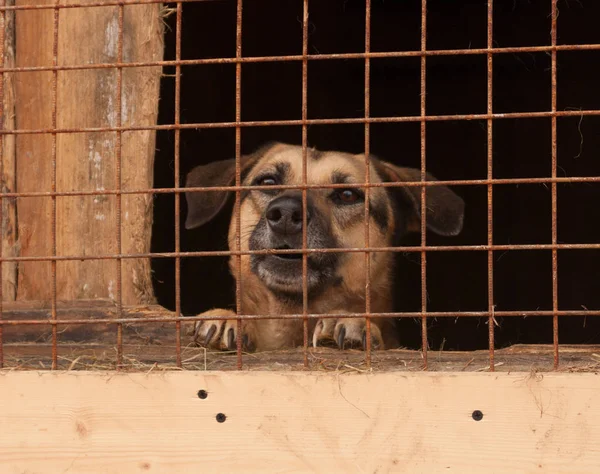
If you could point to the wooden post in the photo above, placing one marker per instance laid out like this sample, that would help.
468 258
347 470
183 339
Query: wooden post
9 217
87 225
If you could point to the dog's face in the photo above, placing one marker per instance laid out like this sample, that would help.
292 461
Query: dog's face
335 217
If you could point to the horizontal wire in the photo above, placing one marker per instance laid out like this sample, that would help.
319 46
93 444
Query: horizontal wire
403 184
288 58
155 317
228 253
321 121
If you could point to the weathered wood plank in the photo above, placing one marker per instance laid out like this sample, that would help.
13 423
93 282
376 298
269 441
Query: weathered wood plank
290 422
9 216
79 310
33 110
87 225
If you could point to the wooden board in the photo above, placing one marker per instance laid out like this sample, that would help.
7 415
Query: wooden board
9 216
87 225
291 422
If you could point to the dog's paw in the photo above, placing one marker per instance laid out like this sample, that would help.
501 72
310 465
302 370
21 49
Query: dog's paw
346 333
221 334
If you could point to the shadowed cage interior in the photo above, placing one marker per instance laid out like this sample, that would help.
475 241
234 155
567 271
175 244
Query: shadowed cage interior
456 84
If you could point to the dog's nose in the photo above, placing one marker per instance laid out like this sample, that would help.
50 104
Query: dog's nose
284 215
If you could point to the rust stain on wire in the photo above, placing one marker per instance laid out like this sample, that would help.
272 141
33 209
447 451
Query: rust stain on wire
490 176
166 317
368 347
2 77
458 182
92 4
53 215
424 338
304 181
177 180
300 58
554 17
238 173
335 121
229 253
118 150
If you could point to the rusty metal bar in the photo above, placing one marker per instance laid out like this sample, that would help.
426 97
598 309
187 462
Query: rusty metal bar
460 182
165 317
490 175
2 89
177 165
304 180
229 253
424 339
367 181
238 174
311 57
118 196
554 18
328 121
113 3
53 214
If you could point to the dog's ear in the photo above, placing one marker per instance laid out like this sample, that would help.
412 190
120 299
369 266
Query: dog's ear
445 210
203 206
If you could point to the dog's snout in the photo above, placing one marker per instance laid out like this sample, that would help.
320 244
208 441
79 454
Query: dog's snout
284 215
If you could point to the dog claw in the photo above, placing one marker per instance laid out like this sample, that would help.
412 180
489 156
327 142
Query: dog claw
346 334
341 337
374 341
247 343
209 335
231 345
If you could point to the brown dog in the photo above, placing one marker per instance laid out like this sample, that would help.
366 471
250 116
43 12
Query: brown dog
272 219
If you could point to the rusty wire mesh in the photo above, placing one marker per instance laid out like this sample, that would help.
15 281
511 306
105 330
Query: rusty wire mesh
239 60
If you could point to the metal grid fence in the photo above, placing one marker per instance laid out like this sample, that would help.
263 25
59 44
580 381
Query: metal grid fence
239 60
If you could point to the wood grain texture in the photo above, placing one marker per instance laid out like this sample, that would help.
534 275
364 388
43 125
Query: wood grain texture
290 422
87 225
9 216
33 110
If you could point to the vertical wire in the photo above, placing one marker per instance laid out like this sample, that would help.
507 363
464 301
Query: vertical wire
53 215
490 218
2 111
423 188
238 173
367 181
118 195
554 15
304 179
177 178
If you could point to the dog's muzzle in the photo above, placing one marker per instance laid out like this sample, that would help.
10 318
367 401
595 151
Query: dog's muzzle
281 228
284 216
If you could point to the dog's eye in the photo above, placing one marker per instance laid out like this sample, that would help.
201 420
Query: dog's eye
265 181
347 196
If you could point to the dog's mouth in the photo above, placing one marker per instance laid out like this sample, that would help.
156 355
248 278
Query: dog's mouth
281 269
287 256
282 272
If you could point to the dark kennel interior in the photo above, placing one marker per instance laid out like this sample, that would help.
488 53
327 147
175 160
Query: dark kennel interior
456 149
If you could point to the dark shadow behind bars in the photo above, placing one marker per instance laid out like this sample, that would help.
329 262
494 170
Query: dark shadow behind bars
468 92
513 117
